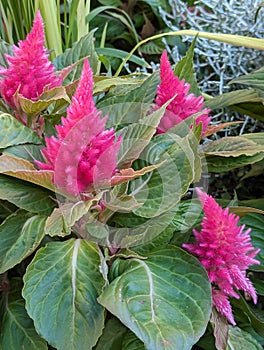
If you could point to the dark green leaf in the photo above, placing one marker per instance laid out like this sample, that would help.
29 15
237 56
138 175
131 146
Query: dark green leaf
5 48
113 335
26 196
256 223
17 329
61 286
20 234
154 309
239 339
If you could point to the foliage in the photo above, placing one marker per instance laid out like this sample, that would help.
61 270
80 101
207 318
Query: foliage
105 268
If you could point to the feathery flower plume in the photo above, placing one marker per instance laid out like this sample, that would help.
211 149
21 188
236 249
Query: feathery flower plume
30 72
225 250
83 153
183 105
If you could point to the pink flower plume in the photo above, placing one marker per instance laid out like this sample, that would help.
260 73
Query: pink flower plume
30 72
183 105
84 152
226 252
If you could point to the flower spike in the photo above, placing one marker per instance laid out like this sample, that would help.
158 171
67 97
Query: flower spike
225 251
183 105
84 152
30 72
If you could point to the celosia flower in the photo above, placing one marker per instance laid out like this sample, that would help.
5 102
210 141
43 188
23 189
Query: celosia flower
83 153
183 105
225 250
30 72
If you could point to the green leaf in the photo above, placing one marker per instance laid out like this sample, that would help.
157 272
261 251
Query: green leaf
184 70
57 94
254 315
217 164
61 286
25 195
20 234
26 151
232 98
131 342
12 132
233 146
136 136
17 329
64 217
24 170
5 48
112 337
164 188
81 49
156 4
239 339
253 80
140 233
111 52
256 223
128 108
170 307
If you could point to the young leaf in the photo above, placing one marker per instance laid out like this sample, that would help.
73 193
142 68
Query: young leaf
64 280
154 309
20 234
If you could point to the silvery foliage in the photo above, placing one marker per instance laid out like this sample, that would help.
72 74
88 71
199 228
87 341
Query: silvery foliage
217 63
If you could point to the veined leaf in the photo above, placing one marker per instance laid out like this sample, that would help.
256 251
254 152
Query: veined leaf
233 146
254 80
256 223
232 98
136 136
27 151
25 195
64 280
20 234
24 170
184 70
216 164
163 189
83 48
242 340
154 309
64 217
17 329
128 108
57 94
12 132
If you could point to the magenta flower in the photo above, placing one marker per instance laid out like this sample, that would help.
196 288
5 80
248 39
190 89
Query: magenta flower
84 153
225 250
183 105
30 72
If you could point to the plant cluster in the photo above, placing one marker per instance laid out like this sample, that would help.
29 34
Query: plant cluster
108 238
